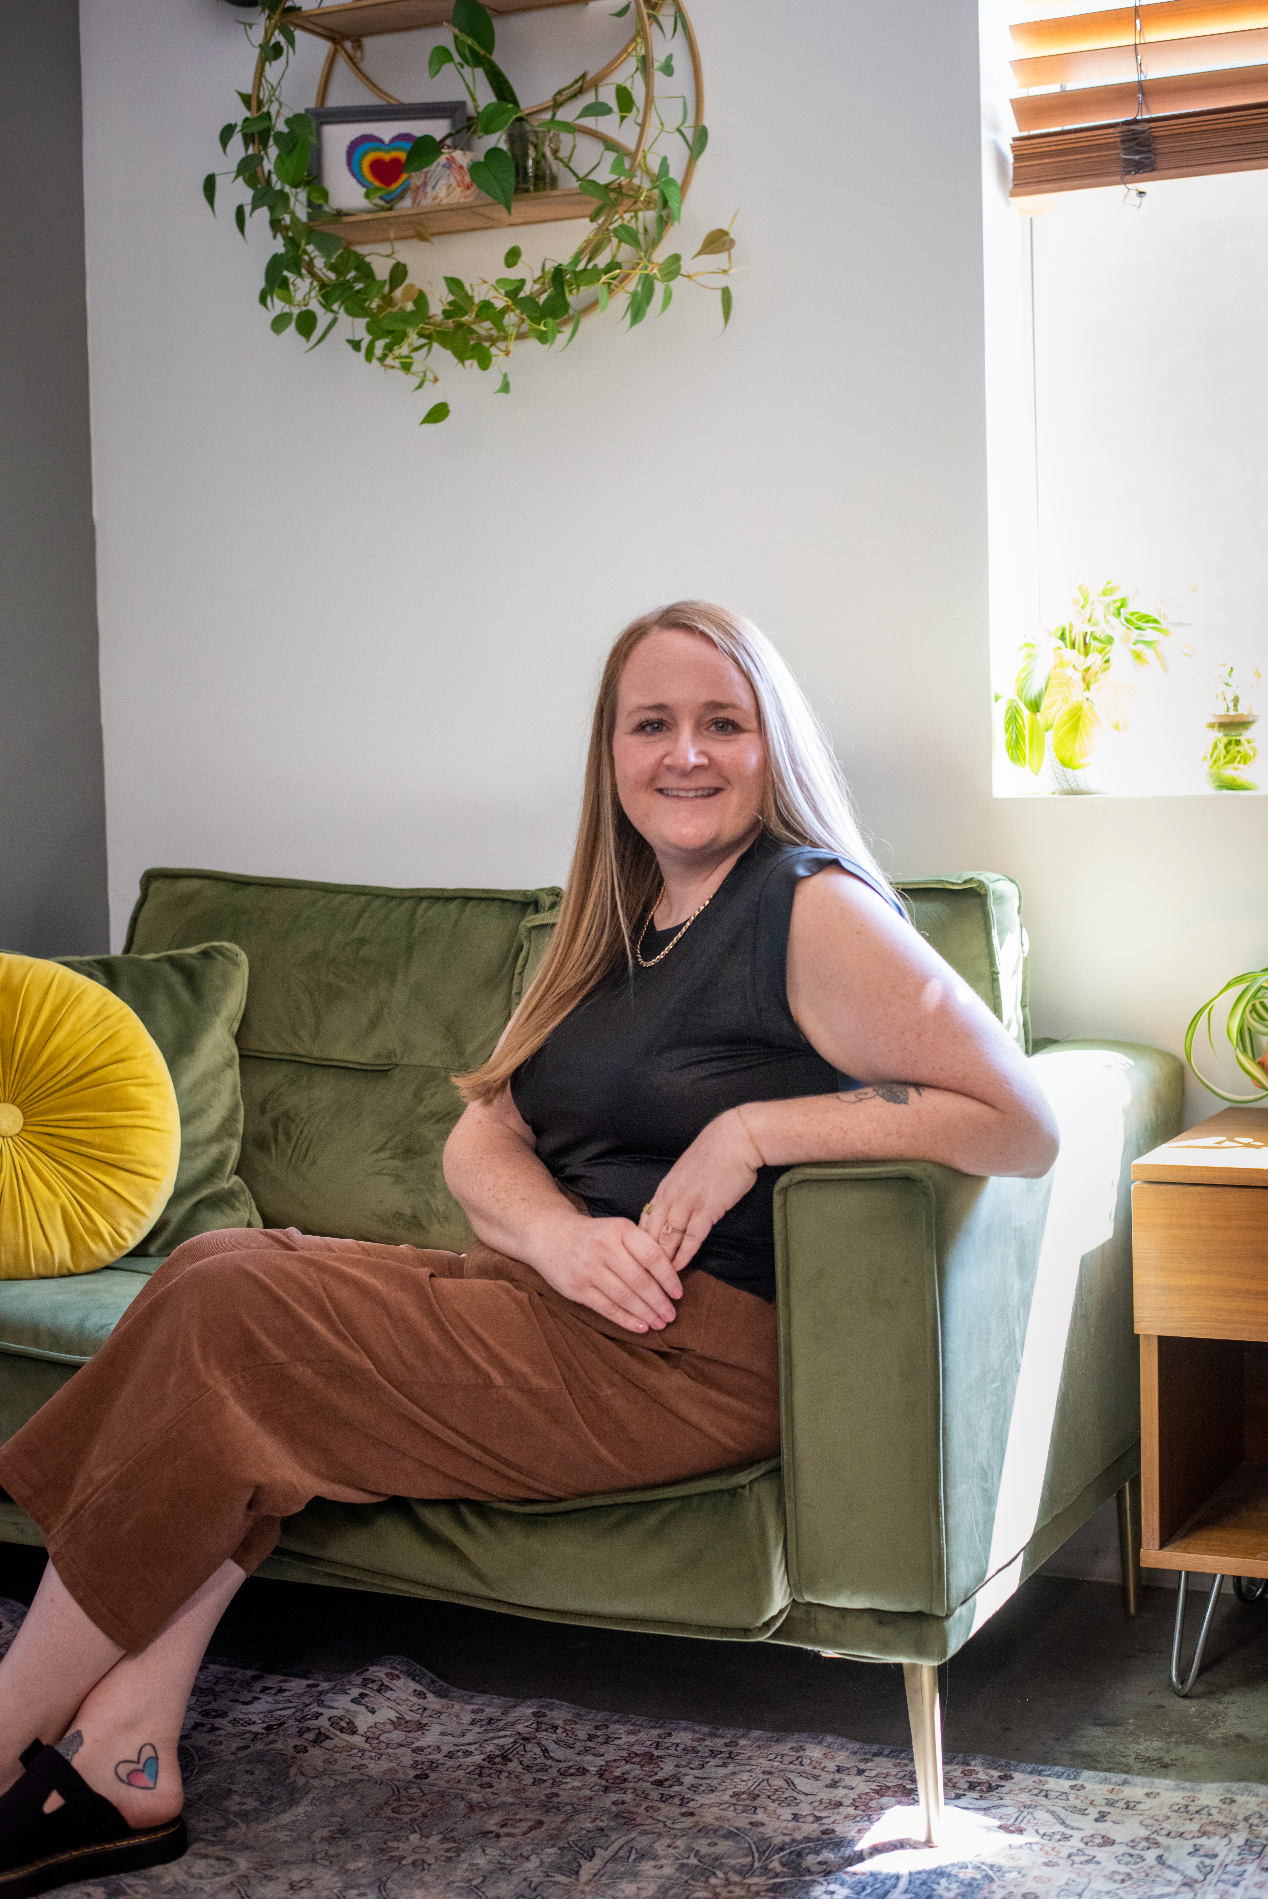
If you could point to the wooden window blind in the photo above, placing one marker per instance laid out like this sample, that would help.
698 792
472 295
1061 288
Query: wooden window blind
1166 89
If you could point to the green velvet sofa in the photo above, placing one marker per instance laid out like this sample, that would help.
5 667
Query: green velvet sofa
959 1370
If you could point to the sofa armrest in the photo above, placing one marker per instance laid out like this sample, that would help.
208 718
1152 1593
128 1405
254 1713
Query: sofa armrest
957 1358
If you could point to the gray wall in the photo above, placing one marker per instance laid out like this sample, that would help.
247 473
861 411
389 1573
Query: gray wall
52 799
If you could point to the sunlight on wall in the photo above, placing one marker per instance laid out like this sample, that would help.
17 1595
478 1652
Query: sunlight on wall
1089 1090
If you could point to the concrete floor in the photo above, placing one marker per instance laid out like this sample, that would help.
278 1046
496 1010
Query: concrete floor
1060 1676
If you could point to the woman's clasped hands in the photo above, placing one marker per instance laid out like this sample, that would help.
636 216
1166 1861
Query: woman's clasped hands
629 1273
705 1182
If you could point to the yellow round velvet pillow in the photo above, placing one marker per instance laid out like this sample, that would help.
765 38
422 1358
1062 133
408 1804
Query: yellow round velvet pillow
89 1127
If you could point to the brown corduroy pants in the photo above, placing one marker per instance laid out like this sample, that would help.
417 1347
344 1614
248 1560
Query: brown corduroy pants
257 1370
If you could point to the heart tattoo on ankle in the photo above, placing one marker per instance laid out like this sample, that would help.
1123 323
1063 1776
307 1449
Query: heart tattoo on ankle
142 1772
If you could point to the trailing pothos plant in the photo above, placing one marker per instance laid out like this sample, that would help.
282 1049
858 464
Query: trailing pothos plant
313 274
1079 680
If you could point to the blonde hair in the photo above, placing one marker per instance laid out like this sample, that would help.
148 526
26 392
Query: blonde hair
614 880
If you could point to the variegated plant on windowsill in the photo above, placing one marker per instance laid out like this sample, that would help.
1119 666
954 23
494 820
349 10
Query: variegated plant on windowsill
1076 684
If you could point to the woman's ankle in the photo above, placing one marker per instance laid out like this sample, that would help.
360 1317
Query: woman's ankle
140 1777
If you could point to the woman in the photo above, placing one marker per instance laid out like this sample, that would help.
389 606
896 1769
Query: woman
732 988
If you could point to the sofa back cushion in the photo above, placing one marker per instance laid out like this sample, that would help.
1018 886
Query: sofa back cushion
362 1002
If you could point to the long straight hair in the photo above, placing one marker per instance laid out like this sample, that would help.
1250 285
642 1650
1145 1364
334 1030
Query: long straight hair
614 879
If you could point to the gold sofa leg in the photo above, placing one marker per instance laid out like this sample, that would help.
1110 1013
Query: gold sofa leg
921 1681
1129 1543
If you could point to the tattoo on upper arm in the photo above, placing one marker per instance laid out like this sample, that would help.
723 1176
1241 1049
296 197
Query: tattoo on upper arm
70 1744
897 1093
142 1772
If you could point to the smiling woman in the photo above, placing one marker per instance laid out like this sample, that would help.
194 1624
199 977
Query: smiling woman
732 987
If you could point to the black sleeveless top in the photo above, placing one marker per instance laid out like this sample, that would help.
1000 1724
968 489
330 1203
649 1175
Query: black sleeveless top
632 1075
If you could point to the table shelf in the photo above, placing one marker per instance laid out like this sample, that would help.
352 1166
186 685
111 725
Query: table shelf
366 19
362 228
1228 1534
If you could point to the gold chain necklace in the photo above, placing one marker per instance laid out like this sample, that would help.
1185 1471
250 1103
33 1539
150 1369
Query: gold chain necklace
651 963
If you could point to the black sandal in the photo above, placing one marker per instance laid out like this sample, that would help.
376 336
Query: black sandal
86 1838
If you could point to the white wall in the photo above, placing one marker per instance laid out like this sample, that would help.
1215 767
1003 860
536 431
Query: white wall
336 645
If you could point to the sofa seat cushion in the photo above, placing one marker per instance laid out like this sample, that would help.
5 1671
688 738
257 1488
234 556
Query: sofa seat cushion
67 1320
50 1327
703 1557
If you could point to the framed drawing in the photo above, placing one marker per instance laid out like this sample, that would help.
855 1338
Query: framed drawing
360 147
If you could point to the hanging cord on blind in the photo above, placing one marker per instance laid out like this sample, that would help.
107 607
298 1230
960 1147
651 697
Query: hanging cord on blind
1135 138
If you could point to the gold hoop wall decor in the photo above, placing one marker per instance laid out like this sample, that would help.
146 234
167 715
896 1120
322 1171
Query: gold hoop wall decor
325 262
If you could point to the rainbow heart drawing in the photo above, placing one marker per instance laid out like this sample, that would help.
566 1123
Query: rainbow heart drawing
143 1771
380 162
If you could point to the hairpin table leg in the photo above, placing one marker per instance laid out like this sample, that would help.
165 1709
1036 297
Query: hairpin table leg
1179 1687
1249 1588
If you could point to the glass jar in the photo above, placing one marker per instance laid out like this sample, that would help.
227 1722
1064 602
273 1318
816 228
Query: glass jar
529 148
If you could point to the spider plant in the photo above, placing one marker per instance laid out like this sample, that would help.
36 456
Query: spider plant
1080 678
1247 1019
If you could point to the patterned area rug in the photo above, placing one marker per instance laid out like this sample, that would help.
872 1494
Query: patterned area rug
387 1784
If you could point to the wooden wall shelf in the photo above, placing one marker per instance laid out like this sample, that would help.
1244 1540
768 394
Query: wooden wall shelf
366 19
362 228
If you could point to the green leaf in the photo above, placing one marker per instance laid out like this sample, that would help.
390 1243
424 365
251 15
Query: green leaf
306 323
422 153
325 333
640 297
1032 677
291 163
605 297
717 243
726 305
504 387
495 118
624 103
699 142
325 243
495 173
576 325
670 268
1075 734
275 270
671 197
439 410
1034 744
593 189
512 257
620 12
597 109
240 219
438 57
281 322
1016 740
253 161
226 133
667 299
666 66
209 190
471 20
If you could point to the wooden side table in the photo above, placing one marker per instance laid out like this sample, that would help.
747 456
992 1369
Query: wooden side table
1200 1260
